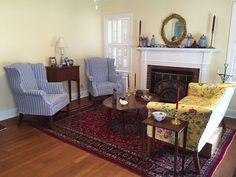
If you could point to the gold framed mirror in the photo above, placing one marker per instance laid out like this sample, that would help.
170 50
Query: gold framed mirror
173 30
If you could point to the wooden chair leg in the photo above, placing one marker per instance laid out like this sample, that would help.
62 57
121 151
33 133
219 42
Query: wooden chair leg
196 162
20 119
89 96
51 123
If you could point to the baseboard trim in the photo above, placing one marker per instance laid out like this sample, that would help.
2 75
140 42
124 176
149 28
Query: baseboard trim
231 113
83 93
8 114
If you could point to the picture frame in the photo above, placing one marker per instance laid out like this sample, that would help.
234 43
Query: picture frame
53 61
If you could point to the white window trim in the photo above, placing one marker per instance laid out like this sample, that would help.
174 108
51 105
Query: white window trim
232 36
130 37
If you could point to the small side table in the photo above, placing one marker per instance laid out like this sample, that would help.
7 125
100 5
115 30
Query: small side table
166 124
65 73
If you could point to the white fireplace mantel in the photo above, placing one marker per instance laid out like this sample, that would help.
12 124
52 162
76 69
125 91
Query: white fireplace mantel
176 57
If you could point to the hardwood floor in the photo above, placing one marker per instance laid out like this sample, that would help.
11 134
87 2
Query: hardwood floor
27 152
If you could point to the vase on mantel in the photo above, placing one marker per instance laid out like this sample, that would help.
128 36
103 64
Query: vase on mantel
203 41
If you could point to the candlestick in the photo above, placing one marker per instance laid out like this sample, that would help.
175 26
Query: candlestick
128 81
140 31
175 121
140 28
224 77
128 92
212 31
213 24
177 99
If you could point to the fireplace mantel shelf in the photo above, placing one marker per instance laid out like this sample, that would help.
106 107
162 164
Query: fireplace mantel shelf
196 58
207 50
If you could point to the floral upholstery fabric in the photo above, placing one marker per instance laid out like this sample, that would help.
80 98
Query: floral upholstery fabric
196 108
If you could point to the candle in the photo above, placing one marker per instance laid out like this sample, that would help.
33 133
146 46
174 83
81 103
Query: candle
213 24
128 81
135 81
177 99
140 28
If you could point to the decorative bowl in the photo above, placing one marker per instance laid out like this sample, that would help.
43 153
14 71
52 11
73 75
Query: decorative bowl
123 102
159 116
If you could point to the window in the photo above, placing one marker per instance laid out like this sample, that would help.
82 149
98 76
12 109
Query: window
117 38
231 56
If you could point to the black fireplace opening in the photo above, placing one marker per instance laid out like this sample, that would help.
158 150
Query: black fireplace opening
165 82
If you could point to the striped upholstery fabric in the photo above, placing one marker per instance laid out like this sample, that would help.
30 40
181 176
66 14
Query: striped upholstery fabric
32 92
102 76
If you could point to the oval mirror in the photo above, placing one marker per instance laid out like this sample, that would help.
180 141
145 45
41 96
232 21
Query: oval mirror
173 30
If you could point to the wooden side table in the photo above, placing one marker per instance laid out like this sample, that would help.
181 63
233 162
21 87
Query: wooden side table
66 73
177 129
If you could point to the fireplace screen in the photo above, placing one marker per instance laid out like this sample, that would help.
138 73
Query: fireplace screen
164 82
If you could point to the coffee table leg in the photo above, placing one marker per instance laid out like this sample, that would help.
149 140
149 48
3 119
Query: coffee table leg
123 114
109 118
109 113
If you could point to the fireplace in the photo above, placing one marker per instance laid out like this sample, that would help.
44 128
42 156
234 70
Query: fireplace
197 58
164 81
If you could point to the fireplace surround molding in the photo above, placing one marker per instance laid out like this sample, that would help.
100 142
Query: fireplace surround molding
197 58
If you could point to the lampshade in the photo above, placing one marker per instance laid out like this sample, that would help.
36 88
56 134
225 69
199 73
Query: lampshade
60 43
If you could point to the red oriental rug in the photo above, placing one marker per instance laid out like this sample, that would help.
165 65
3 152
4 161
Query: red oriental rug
91 130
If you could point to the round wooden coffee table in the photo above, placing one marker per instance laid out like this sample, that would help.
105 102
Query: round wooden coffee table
134 104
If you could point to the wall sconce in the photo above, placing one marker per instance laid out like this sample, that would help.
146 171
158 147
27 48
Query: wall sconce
60 46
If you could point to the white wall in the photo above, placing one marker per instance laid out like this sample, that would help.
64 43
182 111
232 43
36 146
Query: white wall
29 30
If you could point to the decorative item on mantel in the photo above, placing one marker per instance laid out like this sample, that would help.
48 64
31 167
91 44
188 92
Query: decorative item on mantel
212 31
224 76
139 34
203 42
189 40
153 41
194 45
144 41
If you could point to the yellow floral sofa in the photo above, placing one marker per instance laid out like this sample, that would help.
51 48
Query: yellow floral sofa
204 108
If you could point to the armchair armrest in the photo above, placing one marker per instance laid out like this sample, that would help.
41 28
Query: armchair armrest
115 77
34 93
53 87
91 78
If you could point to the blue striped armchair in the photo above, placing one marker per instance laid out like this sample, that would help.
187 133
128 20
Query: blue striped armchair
33 94
102 76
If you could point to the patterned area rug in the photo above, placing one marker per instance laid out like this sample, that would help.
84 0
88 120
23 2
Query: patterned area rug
92 131
2 127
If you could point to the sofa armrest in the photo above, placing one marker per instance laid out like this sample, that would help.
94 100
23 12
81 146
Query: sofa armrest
53 87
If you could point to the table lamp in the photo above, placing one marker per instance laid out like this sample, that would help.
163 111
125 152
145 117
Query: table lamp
60 45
